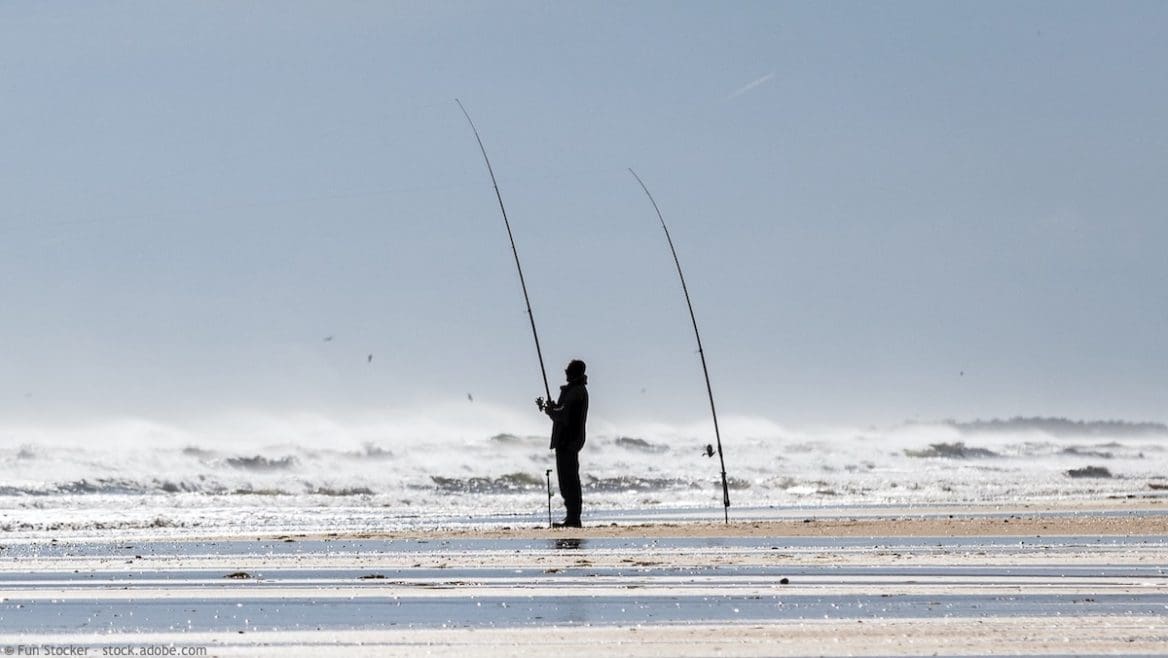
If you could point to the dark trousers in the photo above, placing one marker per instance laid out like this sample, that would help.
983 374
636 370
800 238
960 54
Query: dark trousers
568 475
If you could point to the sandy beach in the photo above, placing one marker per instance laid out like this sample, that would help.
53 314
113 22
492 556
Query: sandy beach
955 581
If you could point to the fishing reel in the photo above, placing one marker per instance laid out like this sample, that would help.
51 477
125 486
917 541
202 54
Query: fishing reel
709 451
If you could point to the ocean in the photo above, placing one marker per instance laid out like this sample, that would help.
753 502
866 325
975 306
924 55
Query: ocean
323 477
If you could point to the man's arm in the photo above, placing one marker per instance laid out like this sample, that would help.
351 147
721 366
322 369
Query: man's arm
557 411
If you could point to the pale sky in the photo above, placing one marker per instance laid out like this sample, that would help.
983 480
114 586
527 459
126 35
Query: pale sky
885 211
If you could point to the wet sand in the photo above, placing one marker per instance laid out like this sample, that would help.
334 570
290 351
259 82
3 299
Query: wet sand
860 582
1148 517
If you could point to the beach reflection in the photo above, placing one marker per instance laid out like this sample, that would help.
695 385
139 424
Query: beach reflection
569 544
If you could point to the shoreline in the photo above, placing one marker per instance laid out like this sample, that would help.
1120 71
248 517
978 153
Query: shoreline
1125 517
1015 524
1143 515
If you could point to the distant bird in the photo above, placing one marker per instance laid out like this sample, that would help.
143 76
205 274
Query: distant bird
369 359
642 389
470 397
328 339
961 374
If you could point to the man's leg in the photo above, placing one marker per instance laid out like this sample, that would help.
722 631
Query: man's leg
568 474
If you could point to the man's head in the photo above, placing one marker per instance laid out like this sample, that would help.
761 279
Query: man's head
575 369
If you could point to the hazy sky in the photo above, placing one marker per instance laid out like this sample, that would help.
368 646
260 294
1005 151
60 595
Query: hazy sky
885 210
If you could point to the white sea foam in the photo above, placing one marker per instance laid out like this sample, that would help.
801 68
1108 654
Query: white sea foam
465 461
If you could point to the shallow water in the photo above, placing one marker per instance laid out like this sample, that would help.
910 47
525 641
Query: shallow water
487 583
356 547
315 613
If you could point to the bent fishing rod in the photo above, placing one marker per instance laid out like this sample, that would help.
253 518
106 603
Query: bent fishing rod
522 283
701 353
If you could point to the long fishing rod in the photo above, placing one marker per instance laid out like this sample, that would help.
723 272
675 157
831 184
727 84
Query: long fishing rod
701 353
522 283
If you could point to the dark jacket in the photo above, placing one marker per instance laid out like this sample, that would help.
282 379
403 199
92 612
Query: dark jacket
569 414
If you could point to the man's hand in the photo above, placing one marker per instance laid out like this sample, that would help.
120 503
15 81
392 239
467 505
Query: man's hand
539 403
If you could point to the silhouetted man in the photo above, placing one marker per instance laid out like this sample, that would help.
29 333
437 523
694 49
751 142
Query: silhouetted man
569 413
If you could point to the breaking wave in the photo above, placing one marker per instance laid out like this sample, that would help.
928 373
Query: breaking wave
1062 427
956 450
640 445
1087 452
512 439
509 483
1089 472
330 474
261 463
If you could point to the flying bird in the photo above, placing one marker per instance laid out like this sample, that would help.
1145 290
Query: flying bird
369 359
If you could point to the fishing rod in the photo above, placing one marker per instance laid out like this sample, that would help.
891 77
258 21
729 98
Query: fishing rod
701 353
522 283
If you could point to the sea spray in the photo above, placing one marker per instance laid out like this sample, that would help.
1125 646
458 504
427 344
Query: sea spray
375 472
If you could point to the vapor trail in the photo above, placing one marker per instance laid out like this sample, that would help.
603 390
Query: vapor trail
750 85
